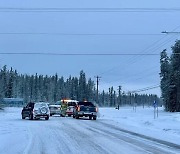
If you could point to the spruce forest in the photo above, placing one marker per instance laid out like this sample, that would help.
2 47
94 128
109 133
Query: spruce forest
53 88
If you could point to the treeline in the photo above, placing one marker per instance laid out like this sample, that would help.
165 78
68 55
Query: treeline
121 98
170 78
53 88
44 88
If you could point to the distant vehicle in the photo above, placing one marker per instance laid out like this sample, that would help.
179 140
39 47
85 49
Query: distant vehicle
70 108
67 107
36 111
85 109
55 109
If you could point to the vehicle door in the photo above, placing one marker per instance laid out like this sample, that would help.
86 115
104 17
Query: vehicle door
25 111
28 109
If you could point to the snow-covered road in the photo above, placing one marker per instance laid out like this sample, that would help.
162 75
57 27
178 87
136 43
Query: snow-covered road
61 135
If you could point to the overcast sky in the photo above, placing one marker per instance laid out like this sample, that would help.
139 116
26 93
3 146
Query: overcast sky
131 72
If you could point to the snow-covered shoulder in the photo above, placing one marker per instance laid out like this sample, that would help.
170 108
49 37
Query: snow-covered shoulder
165 126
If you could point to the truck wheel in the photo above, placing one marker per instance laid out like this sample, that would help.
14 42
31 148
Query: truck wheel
47 118
31 116
90 117
23 117
94 118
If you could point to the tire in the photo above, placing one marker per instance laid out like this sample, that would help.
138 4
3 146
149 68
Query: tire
69 115
77 117
90 117
23 117
50 114
31 116
94 118
73 116
43 110
47 118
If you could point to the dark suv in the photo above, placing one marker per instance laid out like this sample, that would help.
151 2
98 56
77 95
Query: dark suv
36 111
85 109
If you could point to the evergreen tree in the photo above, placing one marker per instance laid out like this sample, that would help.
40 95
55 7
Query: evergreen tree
82 86
175 77
9 92
165 76
119 96
170 78
52 88
4 81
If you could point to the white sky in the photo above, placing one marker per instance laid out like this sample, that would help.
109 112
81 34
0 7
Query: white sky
132 72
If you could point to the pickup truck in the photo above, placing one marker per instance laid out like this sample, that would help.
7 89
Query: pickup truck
85 109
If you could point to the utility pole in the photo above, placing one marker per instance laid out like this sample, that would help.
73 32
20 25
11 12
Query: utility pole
131 100
119 93
97 84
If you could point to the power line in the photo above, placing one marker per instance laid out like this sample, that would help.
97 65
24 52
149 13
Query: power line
145 89
144 50
75 54
127 76
82 54
131 78
16 9
133 59
80 34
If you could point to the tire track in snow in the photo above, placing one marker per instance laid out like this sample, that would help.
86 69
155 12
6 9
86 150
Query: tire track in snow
150 146
27 149
83 140
166 143
101 143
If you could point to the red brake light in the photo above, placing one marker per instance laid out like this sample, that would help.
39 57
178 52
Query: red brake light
96 109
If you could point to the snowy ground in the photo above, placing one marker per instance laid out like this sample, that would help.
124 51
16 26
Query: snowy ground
111 133
165 127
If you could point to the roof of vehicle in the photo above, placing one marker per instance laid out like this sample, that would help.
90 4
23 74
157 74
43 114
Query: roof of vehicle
41 103
54 105
69 100
57 103
86 103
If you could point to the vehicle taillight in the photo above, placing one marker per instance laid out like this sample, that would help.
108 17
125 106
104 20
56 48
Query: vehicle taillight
96 109
78 108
